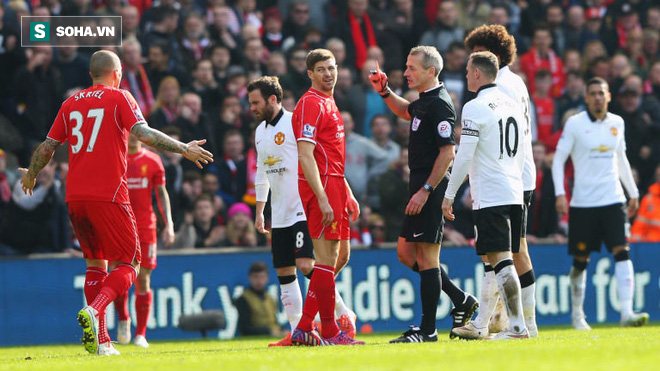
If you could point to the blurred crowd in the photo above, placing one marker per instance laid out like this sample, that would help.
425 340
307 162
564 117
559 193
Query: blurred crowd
188 62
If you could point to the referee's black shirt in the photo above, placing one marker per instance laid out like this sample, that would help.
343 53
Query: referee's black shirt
432 108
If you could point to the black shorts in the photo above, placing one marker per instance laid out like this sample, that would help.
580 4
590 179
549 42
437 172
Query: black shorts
527 201
589 227
497 228
427 226
291 243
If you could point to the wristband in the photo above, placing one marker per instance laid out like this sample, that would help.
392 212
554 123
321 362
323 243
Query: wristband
386 94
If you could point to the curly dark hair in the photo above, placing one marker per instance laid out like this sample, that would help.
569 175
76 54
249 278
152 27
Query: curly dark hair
496 39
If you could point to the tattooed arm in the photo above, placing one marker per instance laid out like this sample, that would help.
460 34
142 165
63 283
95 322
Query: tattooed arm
40 158
155 138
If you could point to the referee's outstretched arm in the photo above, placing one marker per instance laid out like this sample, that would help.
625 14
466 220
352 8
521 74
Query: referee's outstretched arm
397 104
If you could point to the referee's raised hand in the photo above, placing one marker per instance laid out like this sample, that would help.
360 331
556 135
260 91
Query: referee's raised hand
378 79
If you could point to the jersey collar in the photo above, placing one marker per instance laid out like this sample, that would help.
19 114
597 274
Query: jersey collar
484 87
593 118
432 90
276 119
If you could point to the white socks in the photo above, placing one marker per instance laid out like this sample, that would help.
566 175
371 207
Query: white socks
340 306
509 287
487 300
578 286
625 281
529 304
293 302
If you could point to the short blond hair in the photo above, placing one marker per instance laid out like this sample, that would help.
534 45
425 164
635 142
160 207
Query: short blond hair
103 63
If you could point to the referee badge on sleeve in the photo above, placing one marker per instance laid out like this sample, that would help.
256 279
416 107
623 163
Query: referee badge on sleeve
470 128
444 129
415 123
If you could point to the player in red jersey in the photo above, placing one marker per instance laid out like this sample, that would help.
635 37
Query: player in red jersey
327 199
146 175
96 122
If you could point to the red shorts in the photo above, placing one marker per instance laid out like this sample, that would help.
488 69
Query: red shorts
335 188
105 230
148 243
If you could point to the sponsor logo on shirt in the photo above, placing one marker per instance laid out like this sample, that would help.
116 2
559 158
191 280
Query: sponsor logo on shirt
415 123
279 138
138 183
270 161
444 129
308 131
602 148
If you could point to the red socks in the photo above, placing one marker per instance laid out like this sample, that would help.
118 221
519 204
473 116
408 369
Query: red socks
121 304
94 280
142 307
321 299
118 282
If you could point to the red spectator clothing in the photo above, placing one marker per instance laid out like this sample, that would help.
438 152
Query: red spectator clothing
96 122
316 119
545 119
138 84
145 172
531 62
141 5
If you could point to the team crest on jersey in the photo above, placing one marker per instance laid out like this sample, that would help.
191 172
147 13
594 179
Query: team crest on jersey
308 131
613 130
334 227
270 161
144 169
279 138
415 123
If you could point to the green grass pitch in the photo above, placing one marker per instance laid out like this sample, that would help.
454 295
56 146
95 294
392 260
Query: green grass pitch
604 348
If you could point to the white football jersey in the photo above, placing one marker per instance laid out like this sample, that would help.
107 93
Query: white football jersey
495 123
513 86
598 151
277 167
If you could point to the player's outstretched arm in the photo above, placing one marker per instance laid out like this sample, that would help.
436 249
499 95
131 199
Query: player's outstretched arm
40 159
155 138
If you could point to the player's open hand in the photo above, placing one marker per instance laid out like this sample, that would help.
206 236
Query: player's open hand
417 202
168 235
378 79
27 181
447 209
326 210
353 208
561 205
197 154
259 223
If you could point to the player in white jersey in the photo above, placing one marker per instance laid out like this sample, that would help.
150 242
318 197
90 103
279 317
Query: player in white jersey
492 151
596 143
277 171
497 40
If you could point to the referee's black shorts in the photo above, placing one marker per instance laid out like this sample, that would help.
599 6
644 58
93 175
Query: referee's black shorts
291 243
497 228
428 225
589 227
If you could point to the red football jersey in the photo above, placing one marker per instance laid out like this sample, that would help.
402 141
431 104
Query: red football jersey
316 119
145 172
96 122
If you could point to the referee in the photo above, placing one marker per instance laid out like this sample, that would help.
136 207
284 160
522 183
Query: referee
430 152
